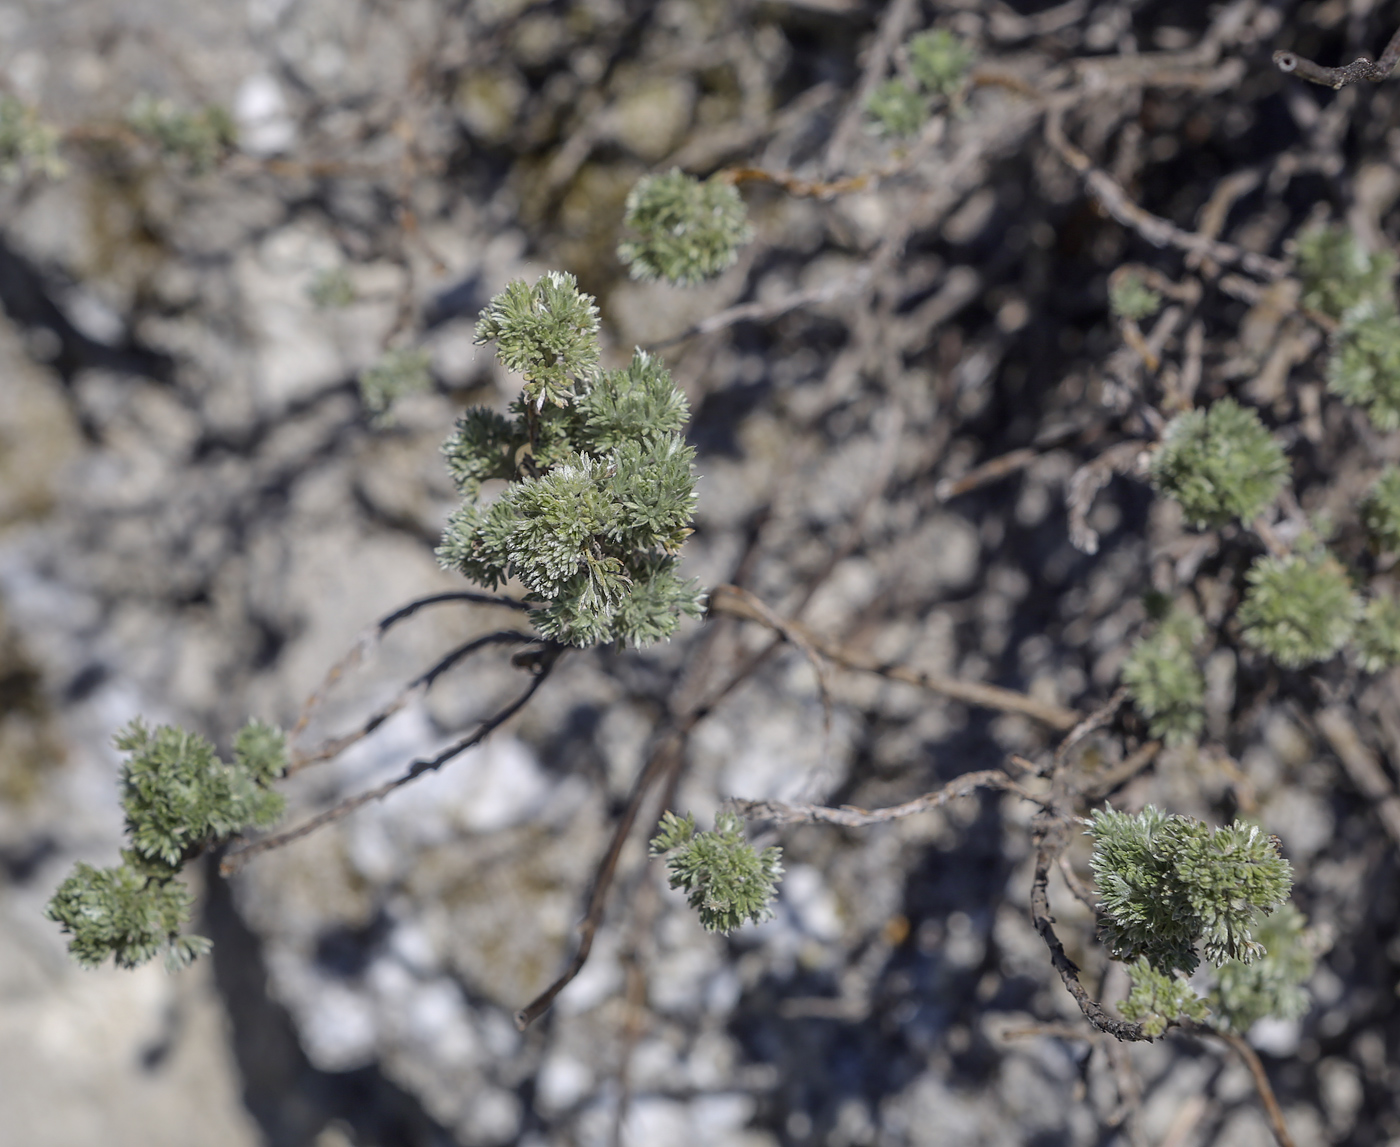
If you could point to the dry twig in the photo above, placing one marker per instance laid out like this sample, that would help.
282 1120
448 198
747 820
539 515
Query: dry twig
722 601
848 816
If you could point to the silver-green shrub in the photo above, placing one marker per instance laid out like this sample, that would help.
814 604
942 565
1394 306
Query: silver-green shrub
179 799
683 229
1164 681
600 485
726 880
1171 883
1298 609
1220 464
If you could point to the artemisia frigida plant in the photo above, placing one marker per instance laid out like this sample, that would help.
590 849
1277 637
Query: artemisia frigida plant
598 491
579 498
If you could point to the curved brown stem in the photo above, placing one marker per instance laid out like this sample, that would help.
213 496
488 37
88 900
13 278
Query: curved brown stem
1257 1072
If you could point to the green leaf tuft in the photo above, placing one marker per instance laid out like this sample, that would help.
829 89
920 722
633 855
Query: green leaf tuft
1298 609
938 61
28 146
1380 510
1220 464
179 799
1364 369
1131 298
1169 883
1165 682
683 230
548 333
407 370
1158 999
1272 985
1337 274
896 110
725 878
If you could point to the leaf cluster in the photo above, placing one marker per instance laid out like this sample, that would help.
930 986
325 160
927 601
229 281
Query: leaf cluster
1170 883
1364 369
1130 298
1299 609
331 289
938 63
1165 682
1337 274
1157 999
725 878
548 333
27 144
1377 638
1272 985
683 229
179 799
1380 510
406 370
599 493
1220 464
197 138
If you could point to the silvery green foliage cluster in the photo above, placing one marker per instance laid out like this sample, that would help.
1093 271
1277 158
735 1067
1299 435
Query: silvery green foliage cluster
1377 637
1299 609
1380 510
682 229
1345 283
938 62
331 289
1131 298
726 880
399 372
1164 681
1337 274
1364 369
1219 464
179 799
28 146
1157 999
547 333
197 138
897 109
1171 884
1272 985
600 485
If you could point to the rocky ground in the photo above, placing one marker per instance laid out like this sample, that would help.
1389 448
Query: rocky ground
198 519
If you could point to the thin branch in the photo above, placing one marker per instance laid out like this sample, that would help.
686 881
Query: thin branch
1156 230
666 754
1089 725
1362 767
1290 63
848 816
236 859
334 746
767 312
983 475
1088 480
722 601
1256 1070
1049 843
1078 889
1122 772
757 610
802 188
375 633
